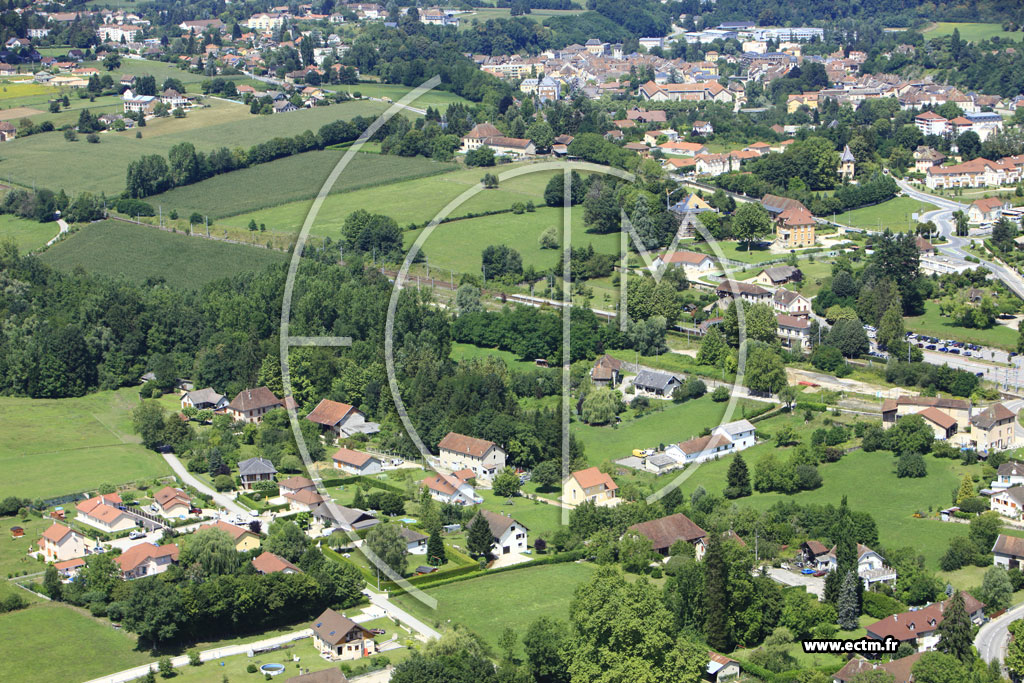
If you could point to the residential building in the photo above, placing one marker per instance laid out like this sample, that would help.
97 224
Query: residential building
678 92
59 544
1008 502
898 670
795 101
871 566
323 675
720 668
976 173
591 485
341 419
794 228
356 462
791 303
269 563
172 502
296 484
691 262
266 21
244 539
993 429
452 488
204 399
69 569
509 535
847 164
104 513
146 559
664 532
930 123
251 405
926 157
958 409
924 247
1010 473
304 500
776 276
438 17
700 449
794 331
688 210
7 131
459 452
1009 552
117 33
919 626
607 371
135 104
486 134
728 290
986 209
253 470
659 384
703 128
340 638
415 542
942 424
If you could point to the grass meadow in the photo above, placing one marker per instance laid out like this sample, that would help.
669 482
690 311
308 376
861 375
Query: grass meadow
113 248
894 214
434 98
294 179
933 324
972 32
50 447
482 14
26 234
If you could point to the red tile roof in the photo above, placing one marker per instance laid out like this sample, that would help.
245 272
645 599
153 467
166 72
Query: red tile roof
938 417
351 457
329 413
594 477
130 559
665 531
465 445
268 563
56 532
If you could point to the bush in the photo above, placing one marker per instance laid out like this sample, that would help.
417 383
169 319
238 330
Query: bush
251 668
879 606
720 394
223 482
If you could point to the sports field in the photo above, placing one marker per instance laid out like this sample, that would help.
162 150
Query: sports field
292 179
895 214
114 248
49 447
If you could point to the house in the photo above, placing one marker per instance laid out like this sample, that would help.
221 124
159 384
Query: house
295 484
870 565
103 513
986 209
660 463
252 470
898 670
1008 502
591 485
1009 474
251 405
146 559
919 626
691 262
606 371
721 668
742 433
776 276
993 429
656 383
688 211
343 517
415 542
924 247
69 569
509 535
7 131
303 500
930 123
795 101
794 331
646 116
728 290
324 675
978 172
942 424
483 458
1009 552
812 550
958 409
340 638
59 544
664 532
118 33
791 303
847 164
700 449
794 228
172 502
135 104
269 563
926 157
486 134
266 21
703 128
244 539
204 399
686 149
342 419
453 488
356 462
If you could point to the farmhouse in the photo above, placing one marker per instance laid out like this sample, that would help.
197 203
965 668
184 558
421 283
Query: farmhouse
665 531
244 539
253 470
749 293
591 485
172 502
606 371
59 544
146 559
654 383
341 419
453 488
509 535
1008 502
135 104
486 134
483 458
7 131
356 462
269 563
993 429
251 405
101 513
340 638
1009 552
204 399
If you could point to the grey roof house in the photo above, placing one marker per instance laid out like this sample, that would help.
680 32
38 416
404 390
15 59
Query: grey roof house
656 383
254 470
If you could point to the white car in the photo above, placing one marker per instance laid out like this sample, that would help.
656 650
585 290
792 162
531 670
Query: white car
136 534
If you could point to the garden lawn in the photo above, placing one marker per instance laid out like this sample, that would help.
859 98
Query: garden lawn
463 352
894 214
14 557
814 272
488 604
115 248
675 423
540 518
48 160
291 179
77 647
933 324
26 234
51 447
972 32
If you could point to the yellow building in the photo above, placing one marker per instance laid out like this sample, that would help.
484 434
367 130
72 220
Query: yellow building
794 228
244 538
794 102
591 485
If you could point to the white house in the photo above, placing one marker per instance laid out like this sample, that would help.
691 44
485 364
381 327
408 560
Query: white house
356 462
138 103
102 512
415 542
146 559
1009 474
459 452
295 484
509 535
724 439
204 399
453 488
304 500
1008 502
1009 552
269 563
172 502
870 565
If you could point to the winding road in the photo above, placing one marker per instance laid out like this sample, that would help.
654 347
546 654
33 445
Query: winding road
994 636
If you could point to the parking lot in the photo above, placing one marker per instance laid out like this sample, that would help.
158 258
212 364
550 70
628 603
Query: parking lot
791 577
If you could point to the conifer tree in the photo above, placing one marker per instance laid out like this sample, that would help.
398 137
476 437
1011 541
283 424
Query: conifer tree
716 595
435 549
738 478
479 540
848 607
358 502
955 631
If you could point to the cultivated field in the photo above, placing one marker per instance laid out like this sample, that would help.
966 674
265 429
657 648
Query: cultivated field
114 248
538 591
48 160
894 214
292 179
50 447
27 235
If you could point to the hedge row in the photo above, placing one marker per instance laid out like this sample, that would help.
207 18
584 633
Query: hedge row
372 483
571 556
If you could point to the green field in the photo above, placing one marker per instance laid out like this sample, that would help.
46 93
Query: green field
114 248
972 32
482 14
433 98
934 325
26 234
48 160
14 557
526 594
293 179
463 352
77 646
894 214
50 447
413 201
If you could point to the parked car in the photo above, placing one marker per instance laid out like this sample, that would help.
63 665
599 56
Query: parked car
820 572
784 565
930 347
807 570
944 349
136 534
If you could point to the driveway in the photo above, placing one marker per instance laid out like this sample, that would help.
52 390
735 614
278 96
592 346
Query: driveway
219 498
509 560
813 584
392 611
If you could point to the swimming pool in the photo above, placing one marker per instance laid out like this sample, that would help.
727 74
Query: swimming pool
272 669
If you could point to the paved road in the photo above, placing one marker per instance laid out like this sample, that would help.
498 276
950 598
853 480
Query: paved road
993 637
395 612
206 656
219 498
62 224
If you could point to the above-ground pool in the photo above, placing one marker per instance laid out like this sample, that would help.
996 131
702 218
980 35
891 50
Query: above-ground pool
272 669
